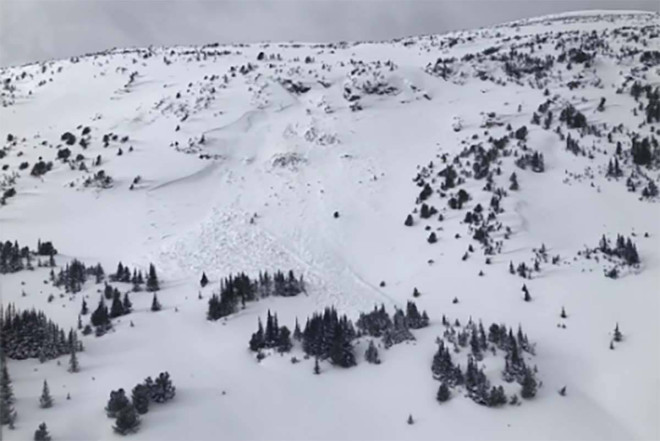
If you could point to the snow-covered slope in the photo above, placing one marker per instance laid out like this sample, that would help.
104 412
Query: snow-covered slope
245 152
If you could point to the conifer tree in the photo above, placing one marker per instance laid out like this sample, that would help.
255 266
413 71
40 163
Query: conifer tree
155 304
257 341
128 420
297 333
152 279
526 296
117 308
284 340
409 221
73 361
371 354
563 313
529 385
162 389
84 310
204 280
140 397
443 393
116 403
41 434
45 401
617 334
127 304
410 419
7 412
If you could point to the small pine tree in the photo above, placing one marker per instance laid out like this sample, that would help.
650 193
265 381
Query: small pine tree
155 304
116 403
529 385
128 420
84 310
140 398
204 280
7 412
45 401
617 334
41 434
562 391
563 313
152 279
73 361
443 393
526 297
409 221
371 354
410 419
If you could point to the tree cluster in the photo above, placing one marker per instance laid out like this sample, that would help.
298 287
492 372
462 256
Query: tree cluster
273 336
14 258
30 334
74 275
623 248
127 412
394 329
241 289
329 336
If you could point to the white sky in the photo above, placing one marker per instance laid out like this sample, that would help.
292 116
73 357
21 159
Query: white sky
34 30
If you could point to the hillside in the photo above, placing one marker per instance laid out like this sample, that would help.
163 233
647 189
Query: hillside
514 149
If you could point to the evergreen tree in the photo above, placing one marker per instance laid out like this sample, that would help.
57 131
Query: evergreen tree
526 296
84 310
297 333
162 389
563 313
284 340
116 403
73 361
410 419
128 420
152 279
341 351
45 401
204 280
117 308
257 341
100 316
140 397
371 354
155 305
41 434
617 334
127 304
497 397
7 412
529 385
443 393
409 221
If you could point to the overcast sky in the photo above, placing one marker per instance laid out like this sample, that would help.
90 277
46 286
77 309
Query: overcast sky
34 30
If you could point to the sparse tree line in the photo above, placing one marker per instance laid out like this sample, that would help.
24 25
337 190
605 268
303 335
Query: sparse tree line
330 336
14 258
101 317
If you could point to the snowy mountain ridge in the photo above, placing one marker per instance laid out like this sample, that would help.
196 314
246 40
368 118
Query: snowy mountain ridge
504 175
